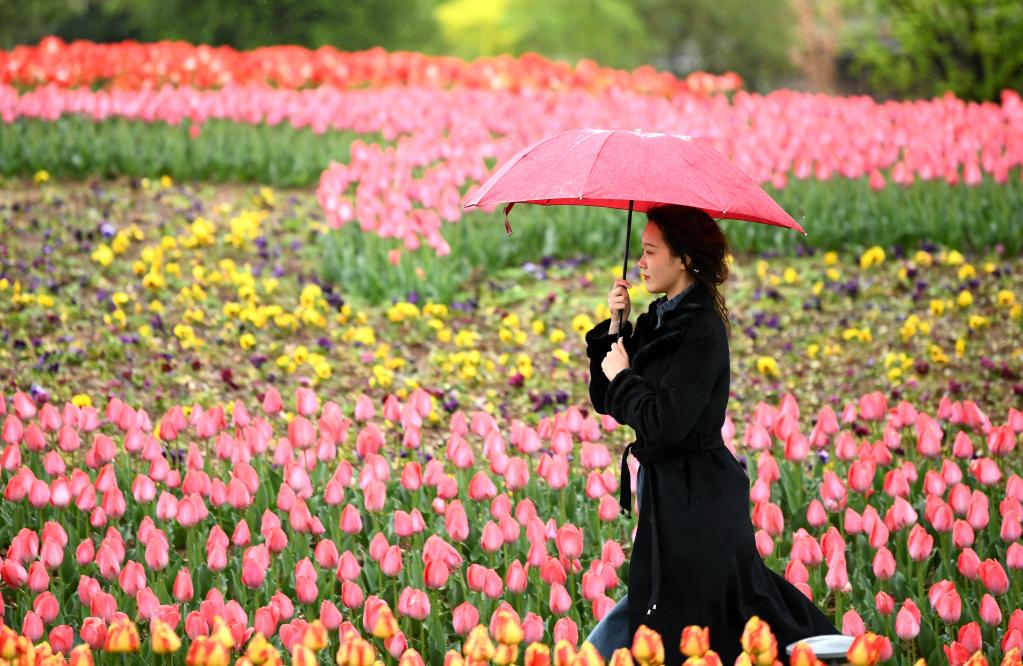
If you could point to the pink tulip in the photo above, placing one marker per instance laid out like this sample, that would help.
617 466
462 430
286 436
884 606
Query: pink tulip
351 595
884 564
464 617
351 521
949 606
993 576
182 588
968 564
62 636
969 637
565 629
516 578
920 543
852 623
569 541
46 607
493 586
884 602
414 603
962 534
391 561
330 615
456 523
559 600
907 622
265 621
306 590
435 574
1014 556
94 632
38 578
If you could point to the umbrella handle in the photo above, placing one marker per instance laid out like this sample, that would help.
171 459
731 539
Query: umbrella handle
625 264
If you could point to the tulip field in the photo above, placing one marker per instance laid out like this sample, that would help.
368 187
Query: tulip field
304 409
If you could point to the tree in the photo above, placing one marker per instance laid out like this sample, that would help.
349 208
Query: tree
754 39
928 47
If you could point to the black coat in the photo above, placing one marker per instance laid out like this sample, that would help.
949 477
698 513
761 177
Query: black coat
700 566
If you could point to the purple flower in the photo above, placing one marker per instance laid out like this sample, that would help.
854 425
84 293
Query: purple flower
107 230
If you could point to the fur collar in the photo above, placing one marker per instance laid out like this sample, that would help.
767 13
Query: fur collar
668 337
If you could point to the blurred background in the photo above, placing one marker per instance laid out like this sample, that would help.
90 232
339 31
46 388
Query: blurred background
889 49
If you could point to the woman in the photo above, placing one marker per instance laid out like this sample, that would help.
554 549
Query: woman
694 560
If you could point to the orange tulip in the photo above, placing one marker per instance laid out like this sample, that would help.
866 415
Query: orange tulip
302 656
360 653
976 659
647 646
478 646
411 658
695 641
386 626
315 636
221 633
537 654
122 636
206 651
81 655
452 658
588 656
505 654
257 650
508 630
621 657
802 655
563 653
163 639
1012 658
759 642
865 650
8 642
743 659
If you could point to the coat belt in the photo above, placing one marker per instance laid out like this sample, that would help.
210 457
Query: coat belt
649 457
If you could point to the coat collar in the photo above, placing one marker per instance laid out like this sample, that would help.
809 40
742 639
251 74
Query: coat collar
673 324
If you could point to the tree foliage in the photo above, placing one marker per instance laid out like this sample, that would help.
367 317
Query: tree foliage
928 47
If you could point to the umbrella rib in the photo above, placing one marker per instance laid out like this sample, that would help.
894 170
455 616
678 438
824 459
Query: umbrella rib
593 165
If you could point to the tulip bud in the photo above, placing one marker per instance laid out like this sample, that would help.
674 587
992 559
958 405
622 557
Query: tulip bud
478 646
537 654
163 639
695 641
647 646
122 637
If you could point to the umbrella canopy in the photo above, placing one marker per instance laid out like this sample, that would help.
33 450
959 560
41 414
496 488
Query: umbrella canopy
632 170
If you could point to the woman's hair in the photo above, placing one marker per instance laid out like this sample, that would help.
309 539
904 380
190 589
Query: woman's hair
690 232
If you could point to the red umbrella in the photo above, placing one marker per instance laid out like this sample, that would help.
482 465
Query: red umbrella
629 170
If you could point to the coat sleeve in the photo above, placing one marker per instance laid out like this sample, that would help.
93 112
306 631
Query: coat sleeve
666 413
598 344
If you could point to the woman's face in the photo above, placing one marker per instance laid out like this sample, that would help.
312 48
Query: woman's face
661 271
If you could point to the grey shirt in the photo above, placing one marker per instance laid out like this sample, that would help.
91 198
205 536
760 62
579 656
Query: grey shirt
669 304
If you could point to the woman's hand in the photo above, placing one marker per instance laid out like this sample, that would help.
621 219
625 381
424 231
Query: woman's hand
616 360
618 301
